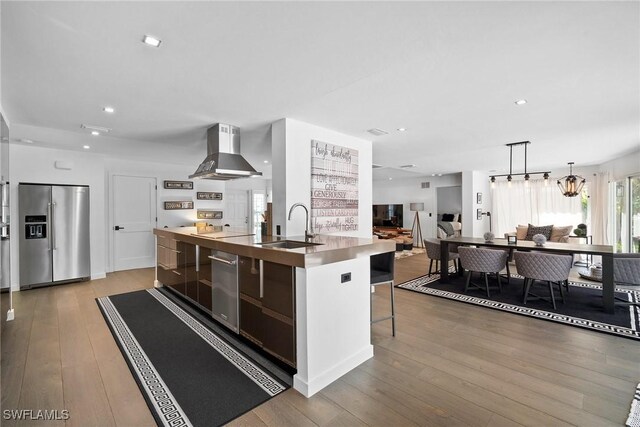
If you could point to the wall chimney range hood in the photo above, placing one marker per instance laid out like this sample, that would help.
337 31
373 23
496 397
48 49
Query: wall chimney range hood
223 161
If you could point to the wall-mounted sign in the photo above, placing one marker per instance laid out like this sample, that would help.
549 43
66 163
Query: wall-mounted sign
173 205
334 187
179 185
208 195
202 214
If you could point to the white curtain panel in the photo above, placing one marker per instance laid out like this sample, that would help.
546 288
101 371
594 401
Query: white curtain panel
599 201
536 204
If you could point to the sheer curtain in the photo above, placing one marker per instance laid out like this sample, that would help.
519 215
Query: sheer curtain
600 206
534 203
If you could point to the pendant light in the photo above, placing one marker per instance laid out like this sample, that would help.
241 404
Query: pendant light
571 185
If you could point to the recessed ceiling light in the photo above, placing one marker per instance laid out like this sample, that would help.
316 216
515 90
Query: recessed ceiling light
151 41
109 110
86 147
390 179
28 141
95 133
266 161
433 174
521 101
439 174
401 129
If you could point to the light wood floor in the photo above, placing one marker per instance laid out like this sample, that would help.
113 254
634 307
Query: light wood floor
450 364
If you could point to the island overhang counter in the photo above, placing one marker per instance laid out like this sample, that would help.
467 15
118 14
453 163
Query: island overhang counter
331 280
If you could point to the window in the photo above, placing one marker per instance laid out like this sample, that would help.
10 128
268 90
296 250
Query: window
259 204
626 220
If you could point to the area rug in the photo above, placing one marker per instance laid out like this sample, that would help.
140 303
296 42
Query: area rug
188 374
582 308
634 413
412 252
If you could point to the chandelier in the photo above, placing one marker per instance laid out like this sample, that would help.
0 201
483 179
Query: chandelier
571 185
526 174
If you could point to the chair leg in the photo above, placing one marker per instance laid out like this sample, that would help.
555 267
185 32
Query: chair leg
430 266
499 281
526 291
466 283
393 311
553 297
561 291
486 284
508 274
437 264
566 284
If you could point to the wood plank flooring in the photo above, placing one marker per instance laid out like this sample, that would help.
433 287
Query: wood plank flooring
450 364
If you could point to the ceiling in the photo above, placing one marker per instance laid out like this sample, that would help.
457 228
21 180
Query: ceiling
447 72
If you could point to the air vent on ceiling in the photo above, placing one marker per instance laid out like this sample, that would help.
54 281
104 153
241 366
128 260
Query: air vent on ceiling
408 166
96 128
375 166
377 132
425 184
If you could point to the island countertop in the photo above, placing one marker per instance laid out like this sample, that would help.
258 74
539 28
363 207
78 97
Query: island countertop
327 249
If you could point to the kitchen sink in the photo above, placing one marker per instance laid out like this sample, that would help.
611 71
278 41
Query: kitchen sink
288 244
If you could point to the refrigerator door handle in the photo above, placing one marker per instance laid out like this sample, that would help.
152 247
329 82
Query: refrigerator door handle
49 242
52 230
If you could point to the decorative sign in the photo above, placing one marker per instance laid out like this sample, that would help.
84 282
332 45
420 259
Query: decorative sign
206 195
169 206
334 187
179 185
209 214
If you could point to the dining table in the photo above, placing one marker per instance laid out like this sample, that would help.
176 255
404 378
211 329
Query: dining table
605 251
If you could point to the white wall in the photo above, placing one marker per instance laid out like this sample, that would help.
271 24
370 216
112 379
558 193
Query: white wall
449 199
408 190
291 156
623 167
474 182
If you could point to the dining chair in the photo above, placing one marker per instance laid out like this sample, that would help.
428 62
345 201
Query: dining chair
485 262
433 253
550 268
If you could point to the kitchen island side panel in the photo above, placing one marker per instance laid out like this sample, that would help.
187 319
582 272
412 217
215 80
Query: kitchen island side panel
333 333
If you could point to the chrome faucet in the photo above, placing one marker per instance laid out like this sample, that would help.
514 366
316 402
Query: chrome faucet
308 232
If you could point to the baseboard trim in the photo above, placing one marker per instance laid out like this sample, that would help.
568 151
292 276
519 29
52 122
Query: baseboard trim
98 276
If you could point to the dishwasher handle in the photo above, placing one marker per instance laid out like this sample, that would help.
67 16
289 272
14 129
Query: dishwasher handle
222 260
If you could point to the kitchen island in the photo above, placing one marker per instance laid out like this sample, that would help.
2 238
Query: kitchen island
304 302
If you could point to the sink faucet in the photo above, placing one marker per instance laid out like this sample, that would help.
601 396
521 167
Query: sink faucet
308 232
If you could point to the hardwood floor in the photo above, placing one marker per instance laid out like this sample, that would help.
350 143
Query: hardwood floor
450 364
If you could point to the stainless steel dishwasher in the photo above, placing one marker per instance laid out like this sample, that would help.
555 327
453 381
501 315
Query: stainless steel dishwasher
224 284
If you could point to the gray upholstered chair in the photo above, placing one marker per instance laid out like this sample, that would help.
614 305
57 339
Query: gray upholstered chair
433 252
626 273
485 262
550 268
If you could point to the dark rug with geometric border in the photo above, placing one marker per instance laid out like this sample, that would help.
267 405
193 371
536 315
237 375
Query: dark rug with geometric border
188 374
582 307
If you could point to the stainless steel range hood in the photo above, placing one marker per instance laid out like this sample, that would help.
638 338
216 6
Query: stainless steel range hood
223 161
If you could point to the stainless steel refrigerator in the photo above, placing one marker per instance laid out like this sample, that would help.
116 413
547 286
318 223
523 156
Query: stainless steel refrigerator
54 234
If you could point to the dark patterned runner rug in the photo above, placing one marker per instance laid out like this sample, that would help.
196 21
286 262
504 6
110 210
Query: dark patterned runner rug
634 413
188 374
582 307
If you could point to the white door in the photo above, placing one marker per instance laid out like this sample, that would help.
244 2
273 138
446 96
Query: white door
236 209
134 218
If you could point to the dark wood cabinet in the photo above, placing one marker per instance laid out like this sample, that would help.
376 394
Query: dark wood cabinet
191 271
205 294
267 306
171 264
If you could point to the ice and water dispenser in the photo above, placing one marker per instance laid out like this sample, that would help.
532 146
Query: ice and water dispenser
35 227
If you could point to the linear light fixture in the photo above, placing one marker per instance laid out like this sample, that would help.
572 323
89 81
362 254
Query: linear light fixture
99 129
526 174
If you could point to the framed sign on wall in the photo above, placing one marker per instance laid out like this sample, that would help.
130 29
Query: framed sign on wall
173 205
208 195
334 187
205 214
179 185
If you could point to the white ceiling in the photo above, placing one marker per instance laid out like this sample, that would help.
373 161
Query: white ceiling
448 72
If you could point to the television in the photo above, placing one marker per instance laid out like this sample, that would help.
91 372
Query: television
387 215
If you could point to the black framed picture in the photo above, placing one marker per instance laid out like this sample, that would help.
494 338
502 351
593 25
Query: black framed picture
479 198
208 195
178 185
478 213
512 240
174 205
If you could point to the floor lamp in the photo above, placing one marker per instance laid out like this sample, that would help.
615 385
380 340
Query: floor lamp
416 230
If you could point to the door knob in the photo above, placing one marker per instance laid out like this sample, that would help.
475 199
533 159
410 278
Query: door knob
117 227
